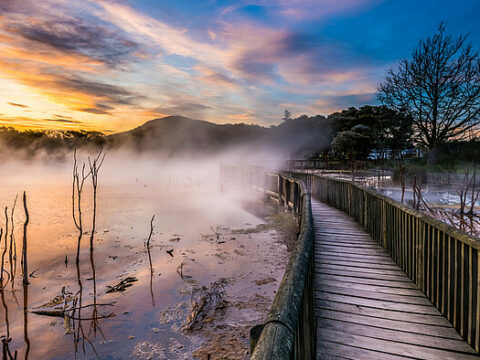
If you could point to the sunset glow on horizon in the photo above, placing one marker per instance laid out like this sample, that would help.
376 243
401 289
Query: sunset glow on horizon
112 65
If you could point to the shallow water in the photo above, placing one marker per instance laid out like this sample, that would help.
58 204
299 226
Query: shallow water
192 218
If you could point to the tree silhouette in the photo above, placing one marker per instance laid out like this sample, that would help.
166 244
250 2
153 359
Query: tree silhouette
439 87
287 115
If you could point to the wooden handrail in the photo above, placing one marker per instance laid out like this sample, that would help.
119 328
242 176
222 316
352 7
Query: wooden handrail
288 331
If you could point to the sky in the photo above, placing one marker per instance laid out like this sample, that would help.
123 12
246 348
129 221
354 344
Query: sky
111 65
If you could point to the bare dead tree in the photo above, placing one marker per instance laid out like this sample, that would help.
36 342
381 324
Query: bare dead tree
475 192
151 231
464 183
2 270
415 192
5 246
439 87
403 180
79 177
95 166
13 247
24 248
150 259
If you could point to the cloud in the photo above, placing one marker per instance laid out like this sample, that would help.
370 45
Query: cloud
18 105
182 108
66 34
148 30
67 121
73 90
61 116
302 10
216 77
95 111
112 93
329 104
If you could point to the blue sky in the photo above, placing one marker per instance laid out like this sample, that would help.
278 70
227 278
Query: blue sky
112 65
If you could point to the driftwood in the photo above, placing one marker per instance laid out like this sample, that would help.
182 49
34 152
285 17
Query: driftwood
208 302
122 285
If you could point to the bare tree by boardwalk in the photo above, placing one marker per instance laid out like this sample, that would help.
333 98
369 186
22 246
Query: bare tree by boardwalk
439 87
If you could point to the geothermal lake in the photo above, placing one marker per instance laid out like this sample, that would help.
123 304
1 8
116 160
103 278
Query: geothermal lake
202 236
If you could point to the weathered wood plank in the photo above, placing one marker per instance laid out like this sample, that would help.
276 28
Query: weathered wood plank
355 269
391 347
357 264
374 295
395 335
441 332
378 304
332 350
368 287
382 313
366 281
361 274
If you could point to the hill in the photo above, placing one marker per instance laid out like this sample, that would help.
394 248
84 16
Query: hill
176 135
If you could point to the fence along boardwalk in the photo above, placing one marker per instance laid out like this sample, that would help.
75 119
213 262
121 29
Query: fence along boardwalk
366 307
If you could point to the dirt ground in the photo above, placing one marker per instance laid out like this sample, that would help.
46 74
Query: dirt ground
248 296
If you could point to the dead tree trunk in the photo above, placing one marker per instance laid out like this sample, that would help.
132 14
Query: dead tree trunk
95 166
24 248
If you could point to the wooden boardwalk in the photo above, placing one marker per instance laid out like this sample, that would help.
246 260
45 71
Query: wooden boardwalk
366 307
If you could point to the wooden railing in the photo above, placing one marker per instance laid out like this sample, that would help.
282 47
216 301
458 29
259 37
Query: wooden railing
289 330
442 261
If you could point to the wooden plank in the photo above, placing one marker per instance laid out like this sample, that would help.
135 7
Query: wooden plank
349 251
357 264
367 281
378 304
395 335
394 272
374 295
334 350
391 347
382 313
354 259
368 287
338 252
416 328
346 233
357 244
360 274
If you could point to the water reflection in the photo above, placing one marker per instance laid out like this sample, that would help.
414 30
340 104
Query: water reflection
6 354
118 252
25 321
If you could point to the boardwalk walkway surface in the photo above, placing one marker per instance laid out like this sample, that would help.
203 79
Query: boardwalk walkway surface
366 307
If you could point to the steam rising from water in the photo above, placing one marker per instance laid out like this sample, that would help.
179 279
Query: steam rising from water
184 194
